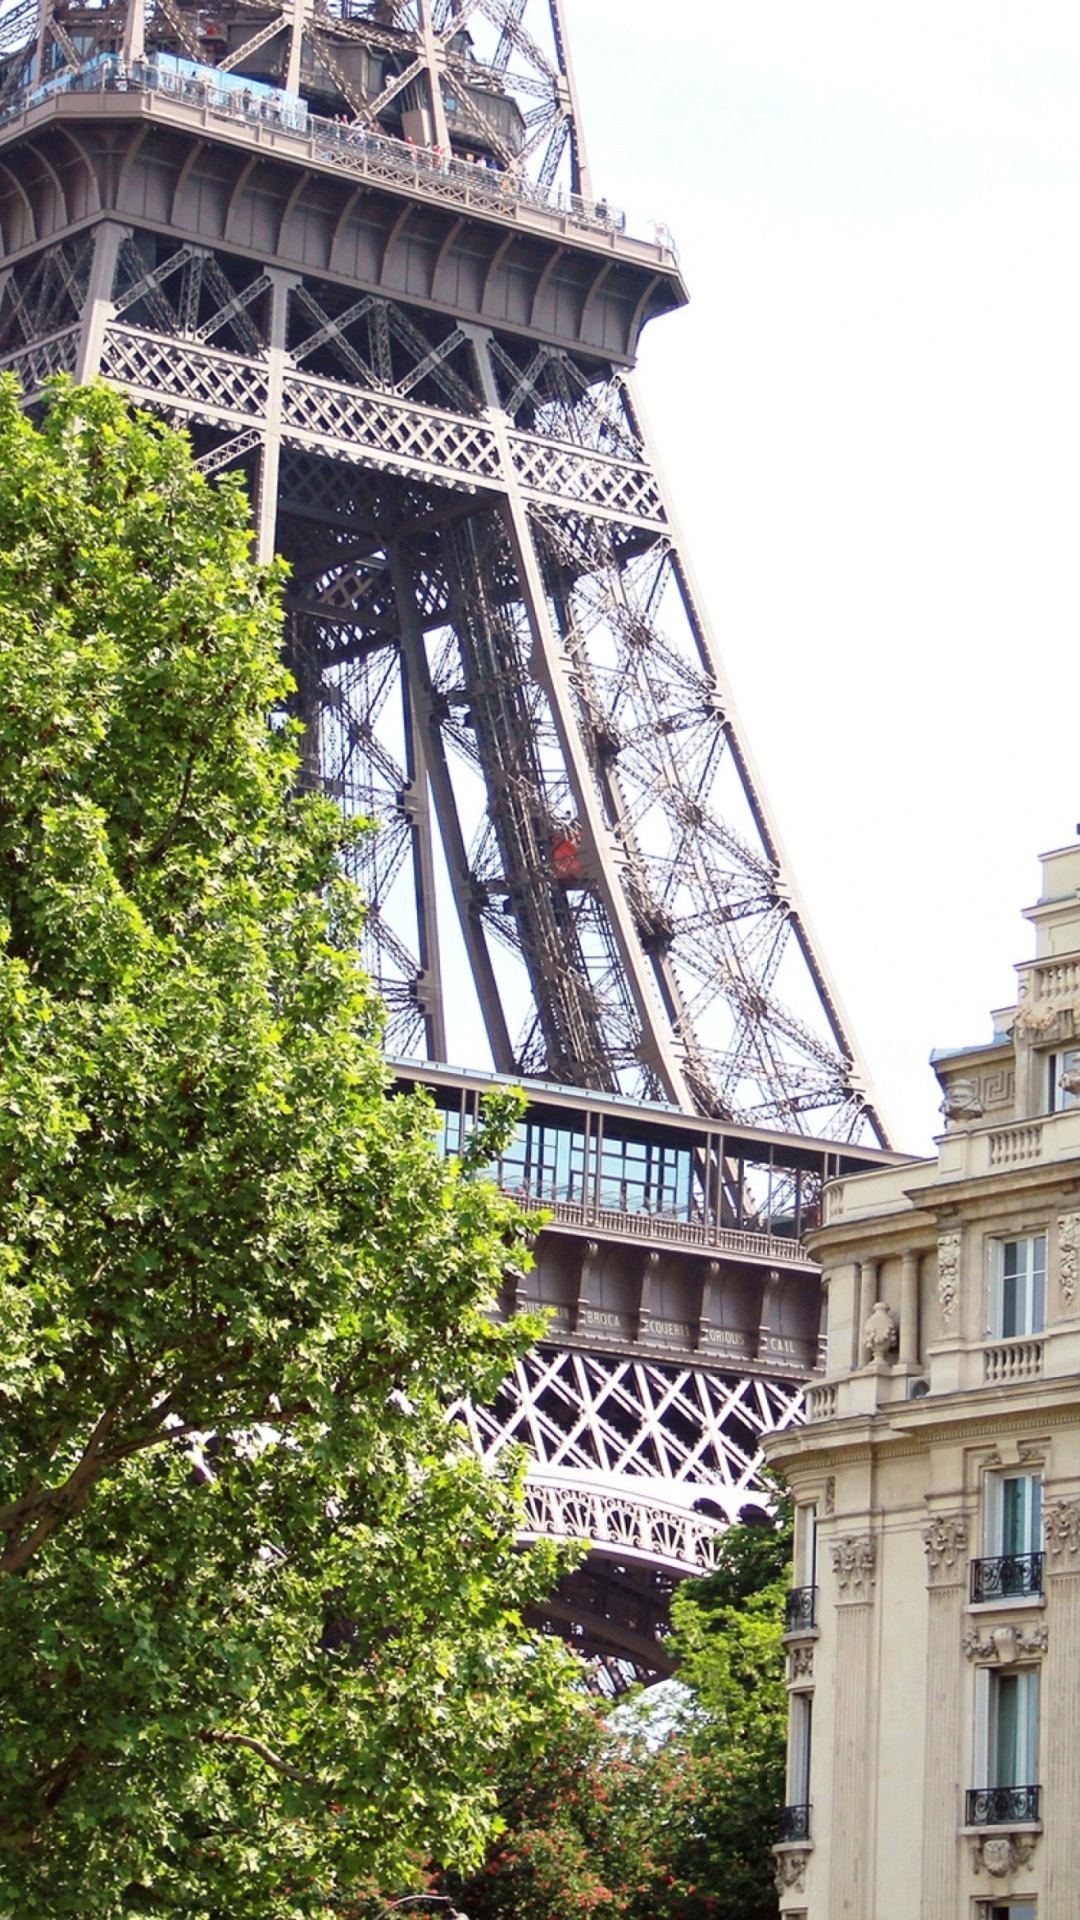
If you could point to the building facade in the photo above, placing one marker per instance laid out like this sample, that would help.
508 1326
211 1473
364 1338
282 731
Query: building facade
933 1636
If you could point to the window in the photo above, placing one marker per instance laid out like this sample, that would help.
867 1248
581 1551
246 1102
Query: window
1018 1287
800 1607
1009 1910
1013 1513
806 1547
1014 1729
1012 1563
802 1713
1058 1066
1007 1706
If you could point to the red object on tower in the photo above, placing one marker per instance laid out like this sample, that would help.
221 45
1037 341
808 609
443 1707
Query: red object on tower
566 853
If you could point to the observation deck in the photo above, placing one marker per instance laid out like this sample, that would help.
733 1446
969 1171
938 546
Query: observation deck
663 1233
173 146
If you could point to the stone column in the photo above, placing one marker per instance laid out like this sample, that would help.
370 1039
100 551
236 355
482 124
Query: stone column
868 1281
909 1310
1059 1741
854 1558
946 1749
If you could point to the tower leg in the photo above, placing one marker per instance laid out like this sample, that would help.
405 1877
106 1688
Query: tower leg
434 757
97 311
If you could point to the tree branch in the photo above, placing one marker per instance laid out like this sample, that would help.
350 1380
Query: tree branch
161 845
259 1747
50 1502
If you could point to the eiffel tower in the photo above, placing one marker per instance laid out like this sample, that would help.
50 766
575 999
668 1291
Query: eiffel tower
353 247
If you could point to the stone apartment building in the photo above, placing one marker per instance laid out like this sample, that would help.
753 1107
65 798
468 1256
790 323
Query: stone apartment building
933 1639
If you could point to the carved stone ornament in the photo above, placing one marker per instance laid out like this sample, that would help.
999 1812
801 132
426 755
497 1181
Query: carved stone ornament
962 1101
830 1493
1042 1019
1061 1525
1002 1645
946 1540
802 1663
948 1272
791 1865
854 1557
881 1333
1069 1255
1002 1854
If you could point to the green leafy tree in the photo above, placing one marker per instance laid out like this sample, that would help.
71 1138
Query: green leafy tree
662 1811
260 1637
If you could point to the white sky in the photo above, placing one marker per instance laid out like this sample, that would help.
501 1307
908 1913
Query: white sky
870 418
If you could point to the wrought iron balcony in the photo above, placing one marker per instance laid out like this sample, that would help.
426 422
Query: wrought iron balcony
800 1608
1002 1806
1008 1576
794 1824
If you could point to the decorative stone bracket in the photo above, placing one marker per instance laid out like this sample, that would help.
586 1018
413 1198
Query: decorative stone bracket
1068 1255
1061 1525
801 1663
791 1865
948 1271
1002 1645
1000 1854
854 1559
946 1540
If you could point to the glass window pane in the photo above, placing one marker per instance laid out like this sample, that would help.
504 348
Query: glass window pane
1012 1516
1022 1287
1029 1733
1010 1306
802 1710
1005 1735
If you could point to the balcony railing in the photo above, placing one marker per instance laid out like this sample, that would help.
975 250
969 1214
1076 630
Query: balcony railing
1008 1576
799 1609
821 1402
1014 1360
1002 1806
794 1824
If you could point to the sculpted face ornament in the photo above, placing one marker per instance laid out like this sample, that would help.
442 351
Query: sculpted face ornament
962 1101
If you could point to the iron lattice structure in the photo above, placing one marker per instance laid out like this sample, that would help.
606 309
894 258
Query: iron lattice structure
647 1459
353 247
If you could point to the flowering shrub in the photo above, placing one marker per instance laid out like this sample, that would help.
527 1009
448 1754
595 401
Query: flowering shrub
662 1818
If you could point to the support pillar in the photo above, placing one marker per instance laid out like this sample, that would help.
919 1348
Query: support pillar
946 1748
868 1293
439 128
281 285
909 1310
850 1861
134 44
97 312
417 808
551 670
1060 1763
429 738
